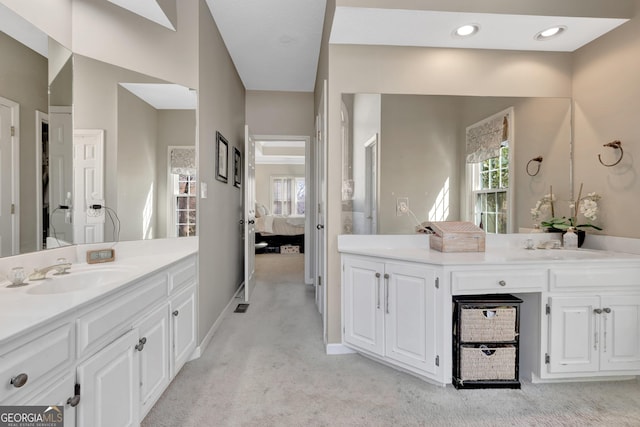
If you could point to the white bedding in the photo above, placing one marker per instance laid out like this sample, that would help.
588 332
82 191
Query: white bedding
286 226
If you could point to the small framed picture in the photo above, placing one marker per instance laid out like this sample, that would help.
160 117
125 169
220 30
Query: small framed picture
237 167
222 158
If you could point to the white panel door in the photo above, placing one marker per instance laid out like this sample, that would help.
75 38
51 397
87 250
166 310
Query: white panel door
620 325
574 334
60 174
8 179
363 293
88 181
410 322
249 217
110 385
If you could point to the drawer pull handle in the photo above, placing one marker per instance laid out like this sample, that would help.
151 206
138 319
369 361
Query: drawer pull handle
141 342
502 283
378 290
175 313
19 380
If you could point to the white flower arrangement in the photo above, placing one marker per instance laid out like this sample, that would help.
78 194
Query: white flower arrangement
587 206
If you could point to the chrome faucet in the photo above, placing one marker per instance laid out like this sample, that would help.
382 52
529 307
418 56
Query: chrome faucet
41 273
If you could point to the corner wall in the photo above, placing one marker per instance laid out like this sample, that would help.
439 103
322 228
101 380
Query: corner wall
606 92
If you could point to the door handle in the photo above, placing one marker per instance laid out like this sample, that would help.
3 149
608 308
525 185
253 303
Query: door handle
251 221
319 226
242 222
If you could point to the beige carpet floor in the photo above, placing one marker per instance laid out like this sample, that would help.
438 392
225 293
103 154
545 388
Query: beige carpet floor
267 367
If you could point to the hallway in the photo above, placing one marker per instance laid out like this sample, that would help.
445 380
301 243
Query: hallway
267 367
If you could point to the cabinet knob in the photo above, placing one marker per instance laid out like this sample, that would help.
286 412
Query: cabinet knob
75 399
377 275
19 380
175 313
597 310
606 310
502 283
141 342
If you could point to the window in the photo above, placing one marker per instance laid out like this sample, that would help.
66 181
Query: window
287 195
490 192
184 196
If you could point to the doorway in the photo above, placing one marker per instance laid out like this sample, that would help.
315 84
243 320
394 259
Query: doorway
283 180
9 178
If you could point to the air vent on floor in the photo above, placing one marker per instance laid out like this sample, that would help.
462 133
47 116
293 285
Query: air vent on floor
241 308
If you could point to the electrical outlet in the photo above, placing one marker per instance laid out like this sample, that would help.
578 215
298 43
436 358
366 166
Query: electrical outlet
402 206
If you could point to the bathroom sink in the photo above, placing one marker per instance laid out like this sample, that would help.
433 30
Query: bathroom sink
558 255
79 279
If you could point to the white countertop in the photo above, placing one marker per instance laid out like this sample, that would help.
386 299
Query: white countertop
415 248
22 311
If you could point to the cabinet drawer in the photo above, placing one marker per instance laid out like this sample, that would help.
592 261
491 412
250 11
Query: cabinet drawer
37 359
182 275
488 324
610 278
498 281
110 319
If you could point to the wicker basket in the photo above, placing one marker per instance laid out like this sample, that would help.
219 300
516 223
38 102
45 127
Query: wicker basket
487 363
488 324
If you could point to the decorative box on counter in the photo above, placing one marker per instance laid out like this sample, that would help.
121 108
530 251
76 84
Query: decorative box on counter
456 236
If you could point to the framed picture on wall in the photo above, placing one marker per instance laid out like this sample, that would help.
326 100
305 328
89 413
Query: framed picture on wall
237 167
222 158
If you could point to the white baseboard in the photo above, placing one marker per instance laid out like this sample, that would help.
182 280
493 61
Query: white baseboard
207 338
335 349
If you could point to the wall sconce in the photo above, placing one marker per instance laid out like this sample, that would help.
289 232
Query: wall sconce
535 159
618 146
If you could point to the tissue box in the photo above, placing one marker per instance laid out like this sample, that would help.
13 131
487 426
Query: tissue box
456 236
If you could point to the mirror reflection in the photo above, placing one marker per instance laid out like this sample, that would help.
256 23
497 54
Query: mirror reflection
121 167
407 159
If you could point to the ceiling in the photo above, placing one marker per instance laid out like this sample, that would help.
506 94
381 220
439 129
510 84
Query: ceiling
275 44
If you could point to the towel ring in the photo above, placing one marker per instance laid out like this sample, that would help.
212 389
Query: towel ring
535 159
616 145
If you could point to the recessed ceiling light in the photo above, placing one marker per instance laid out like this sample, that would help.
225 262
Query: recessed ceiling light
550 33
466 30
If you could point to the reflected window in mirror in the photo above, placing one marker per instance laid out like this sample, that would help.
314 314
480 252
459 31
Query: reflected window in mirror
489 168
182 188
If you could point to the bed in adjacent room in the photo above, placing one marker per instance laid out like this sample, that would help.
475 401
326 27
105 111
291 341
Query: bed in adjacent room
279 231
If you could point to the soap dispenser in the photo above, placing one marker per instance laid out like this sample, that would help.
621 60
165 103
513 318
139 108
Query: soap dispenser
570 239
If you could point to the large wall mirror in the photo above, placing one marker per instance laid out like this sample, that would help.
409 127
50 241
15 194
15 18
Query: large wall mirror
411 149
89 133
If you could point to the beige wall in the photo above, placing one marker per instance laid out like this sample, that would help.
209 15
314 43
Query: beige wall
52 17
137 152
280 113
221 97
385 69
109 33
606 91
23 79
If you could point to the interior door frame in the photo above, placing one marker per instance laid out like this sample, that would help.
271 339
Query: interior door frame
15 174
249 213
372 192
320 208
309 186
41 118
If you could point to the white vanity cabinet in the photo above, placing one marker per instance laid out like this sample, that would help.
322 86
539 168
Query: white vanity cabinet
593 319
109 360
391 312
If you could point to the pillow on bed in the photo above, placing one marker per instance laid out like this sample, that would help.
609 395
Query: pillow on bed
261 210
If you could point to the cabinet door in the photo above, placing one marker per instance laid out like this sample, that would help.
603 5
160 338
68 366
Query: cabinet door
57 394
620 323
183 315
110 385
410 321
154 357
574 334
363 304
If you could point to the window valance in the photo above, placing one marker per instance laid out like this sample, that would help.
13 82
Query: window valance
485 138
182 160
